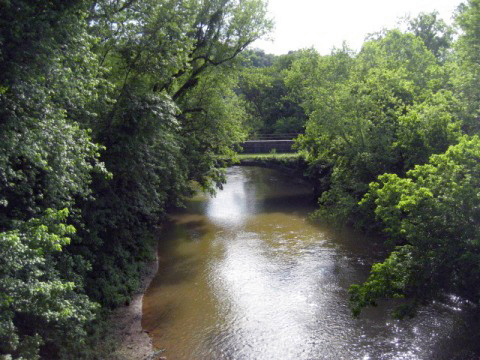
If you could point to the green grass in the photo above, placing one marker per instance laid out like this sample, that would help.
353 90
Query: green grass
291 162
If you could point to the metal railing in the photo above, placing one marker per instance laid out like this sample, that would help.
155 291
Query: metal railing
286 136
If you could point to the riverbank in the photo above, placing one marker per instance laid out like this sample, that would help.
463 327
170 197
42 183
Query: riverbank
290 163
287 163
295 164
129 340
132 342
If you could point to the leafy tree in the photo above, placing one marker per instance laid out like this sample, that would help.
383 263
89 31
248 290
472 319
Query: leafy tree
37 306
428 128
435 33
213 123
374 113
145 155
114 67
142 42
271 106
311 72
45 159
432 215
256 58
467 74
171 48
222 29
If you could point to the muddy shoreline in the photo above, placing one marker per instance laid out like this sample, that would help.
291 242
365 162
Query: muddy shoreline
133 343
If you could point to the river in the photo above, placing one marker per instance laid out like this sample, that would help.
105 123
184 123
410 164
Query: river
245 275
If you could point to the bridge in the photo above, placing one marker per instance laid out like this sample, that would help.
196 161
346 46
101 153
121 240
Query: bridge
266 143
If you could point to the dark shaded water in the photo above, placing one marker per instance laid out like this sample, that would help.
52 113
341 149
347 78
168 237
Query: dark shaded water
244 275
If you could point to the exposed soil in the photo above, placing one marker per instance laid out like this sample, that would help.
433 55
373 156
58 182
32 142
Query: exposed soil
133 343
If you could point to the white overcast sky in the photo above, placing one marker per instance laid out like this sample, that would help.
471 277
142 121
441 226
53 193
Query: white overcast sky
324 24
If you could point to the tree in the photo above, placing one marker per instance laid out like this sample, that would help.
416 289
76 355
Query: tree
214 123
373 113
46 160
145 153
169 48
221 30
467 66
269 102
435 33
256 58
148 80
37 306
432 215
170 116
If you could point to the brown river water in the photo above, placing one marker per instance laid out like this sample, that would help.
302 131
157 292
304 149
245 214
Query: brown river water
244 275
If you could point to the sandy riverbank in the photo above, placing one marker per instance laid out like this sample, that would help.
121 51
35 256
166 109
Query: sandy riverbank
126 326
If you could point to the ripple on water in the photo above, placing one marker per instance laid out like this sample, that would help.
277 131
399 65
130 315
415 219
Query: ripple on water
244 275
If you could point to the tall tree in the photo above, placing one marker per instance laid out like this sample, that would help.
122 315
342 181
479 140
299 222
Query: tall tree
270 105
77 73
359 108
435 33
467 76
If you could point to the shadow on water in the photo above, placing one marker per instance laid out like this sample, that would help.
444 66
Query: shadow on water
181 257
179 266
159 318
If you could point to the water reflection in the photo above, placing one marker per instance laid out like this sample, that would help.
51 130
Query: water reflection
233 205
243 275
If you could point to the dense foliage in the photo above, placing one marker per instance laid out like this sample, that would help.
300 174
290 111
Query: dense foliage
432 212
108 109
383 110
432 216
271 107
389 131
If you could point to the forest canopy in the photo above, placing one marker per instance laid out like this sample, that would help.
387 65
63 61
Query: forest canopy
111 110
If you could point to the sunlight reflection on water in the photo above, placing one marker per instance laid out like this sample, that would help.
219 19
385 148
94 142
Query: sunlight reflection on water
248 277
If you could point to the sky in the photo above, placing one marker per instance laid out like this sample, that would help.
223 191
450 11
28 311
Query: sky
326 24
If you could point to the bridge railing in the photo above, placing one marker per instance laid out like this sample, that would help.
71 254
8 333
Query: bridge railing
285 136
